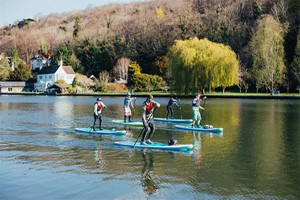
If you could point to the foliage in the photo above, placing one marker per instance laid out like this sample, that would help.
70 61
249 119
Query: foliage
143 82
198 64
104 77
22 72
14 61
268 53
161 64
96 57
296 62
120 70
144 32
160 12
4 69
76 27
67 55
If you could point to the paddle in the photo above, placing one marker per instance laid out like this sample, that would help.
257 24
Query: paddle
202 111
203 106
180 108
144 127
133 108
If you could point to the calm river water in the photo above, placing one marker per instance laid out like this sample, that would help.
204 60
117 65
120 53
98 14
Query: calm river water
41 157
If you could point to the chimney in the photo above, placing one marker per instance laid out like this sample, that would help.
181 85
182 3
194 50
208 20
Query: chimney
60 62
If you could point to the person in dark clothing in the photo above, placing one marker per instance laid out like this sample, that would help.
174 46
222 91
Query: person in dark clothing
98 108
171 102
147 117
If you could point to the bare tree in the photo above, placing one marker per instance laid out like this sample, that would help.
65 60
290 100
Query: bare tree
120 70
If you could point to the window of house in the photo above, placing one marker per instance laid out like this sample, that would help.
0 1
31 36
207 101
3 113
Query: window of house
10 89
50 77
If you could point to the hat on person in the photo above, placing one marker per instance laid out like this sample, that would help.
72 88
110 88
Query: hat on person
128 94
99 99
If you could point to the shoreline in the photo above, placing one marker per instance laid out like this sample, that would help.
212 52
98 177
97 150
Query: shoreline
241 96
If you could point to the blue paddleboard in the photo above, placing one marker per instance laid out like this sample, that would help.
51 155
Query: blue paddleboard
173 120
156 145
133 123
201 128
104 131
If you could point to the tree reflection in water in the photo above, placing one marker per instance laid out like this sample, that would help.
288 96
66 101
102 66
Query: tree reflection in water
148 183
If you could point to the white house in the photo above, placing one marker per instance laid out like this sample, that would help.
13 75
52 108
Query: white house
48 75
40 60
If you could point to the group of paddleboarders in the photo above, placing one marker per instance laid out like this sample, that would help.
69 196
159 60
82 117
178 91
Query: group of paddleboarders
148 108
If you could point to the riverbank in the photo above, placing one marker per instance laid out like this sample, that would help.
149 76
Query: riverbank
143 94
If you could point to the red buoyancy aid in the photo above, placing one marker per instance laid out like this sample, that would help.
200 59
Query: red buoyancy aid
99 106
149 107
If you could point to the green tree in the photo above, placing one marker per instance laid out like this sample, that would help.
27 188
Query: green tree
76 27
4 68
295 67
66 53
21 73
143 82
268 53
14 61
198 64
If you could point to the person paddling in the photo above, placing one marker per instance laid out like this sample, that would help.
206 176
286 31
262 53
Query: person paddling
172 101
196 112
147 117
98 109
128 102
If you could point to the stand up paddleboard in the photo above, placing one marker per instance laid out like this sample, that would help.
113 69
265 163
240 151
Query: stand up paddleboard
173 120
201 128
133 123
156 145
104 131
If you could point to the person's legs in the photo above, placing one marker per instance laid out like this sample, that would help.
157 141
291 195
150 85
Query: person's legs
195 117
198 118
95 119
100 122
144 132
152 130
168 112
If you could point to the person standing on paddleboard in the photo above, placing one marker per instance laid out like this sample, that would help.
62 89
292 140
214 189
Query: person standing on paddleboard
196 112
147 117
171 102
128 102
98 109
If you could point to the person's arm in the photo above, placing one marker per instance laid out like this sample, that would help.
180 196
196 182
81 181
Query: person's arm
144 113
156 104
131 103
176 103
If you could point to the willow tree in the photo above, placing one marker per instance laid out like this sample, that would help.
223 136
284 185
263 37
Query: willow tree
267 47
198 64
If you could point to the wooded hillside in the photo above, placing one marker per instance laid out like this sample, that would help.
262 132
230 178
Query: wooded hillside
96 38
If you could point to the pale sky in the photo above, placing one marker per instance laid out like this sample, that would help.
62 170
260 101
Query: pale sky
12 11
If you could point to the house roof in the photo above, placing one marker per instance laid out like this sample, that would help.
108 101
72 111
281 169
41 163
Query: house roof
12 84
61 86
49 70
69 69
53 69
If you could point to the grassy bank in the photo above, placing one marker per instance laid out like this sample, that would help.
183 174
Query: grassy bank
166 94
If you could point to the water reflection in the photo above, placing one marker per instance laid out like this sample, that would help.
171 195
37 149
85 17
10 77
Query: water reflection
149 185
197 148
